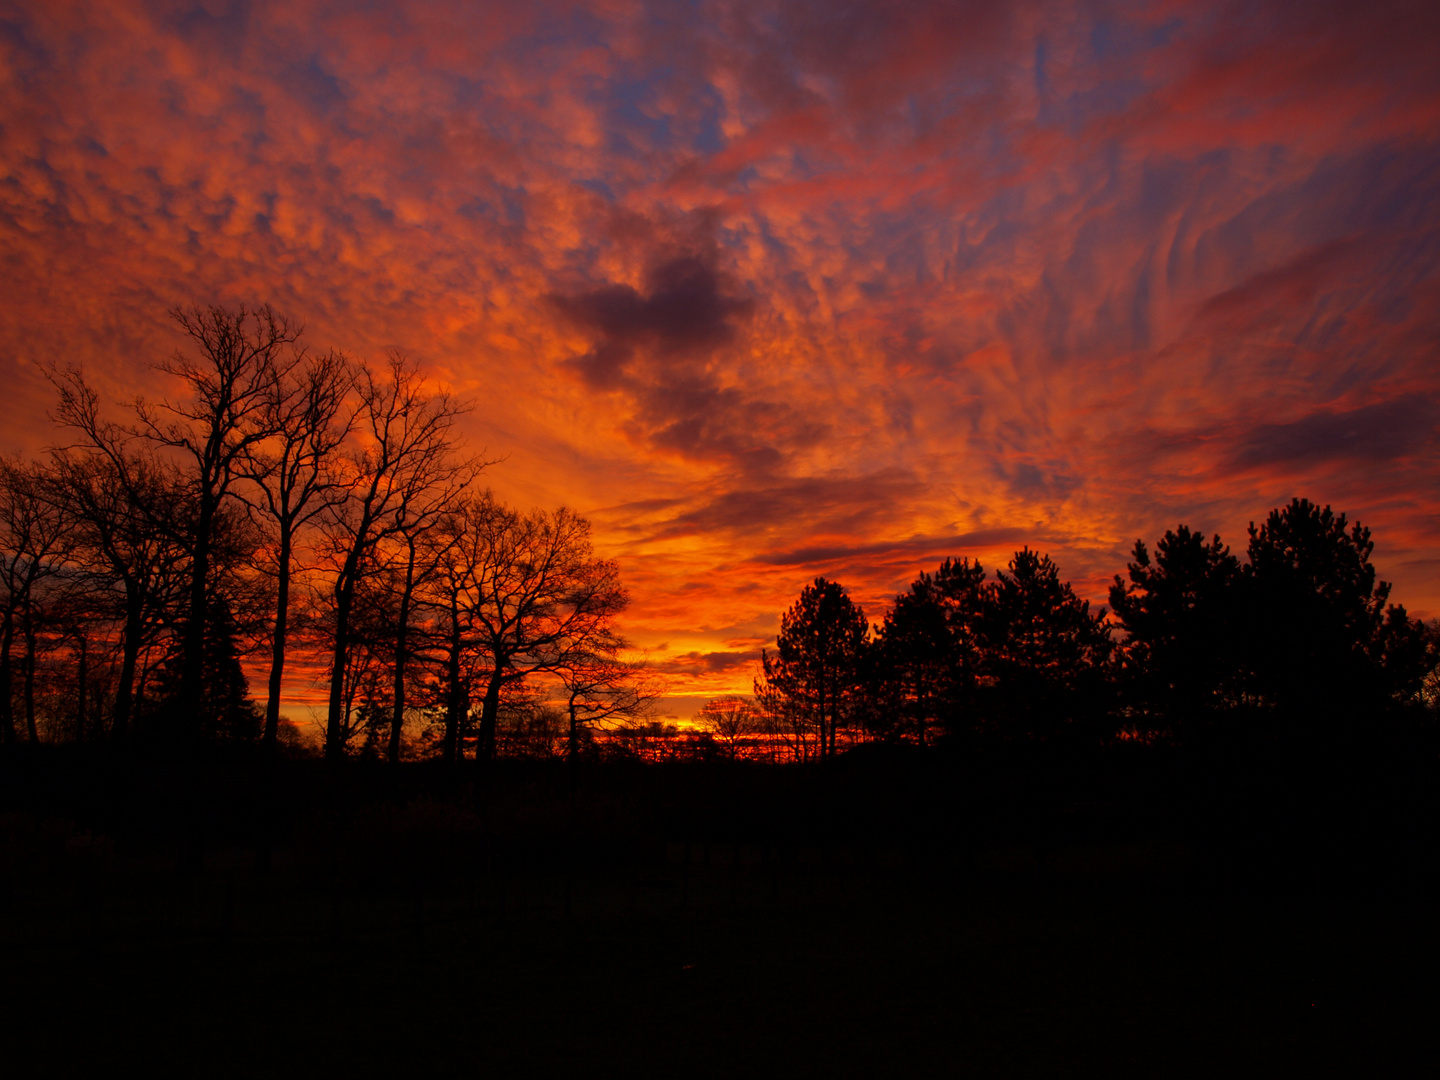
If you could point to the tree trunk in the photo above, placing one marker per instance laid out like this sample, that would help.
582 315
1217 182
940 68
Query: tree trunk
489 718
454 698
129 659
397 721
81 687
7 706
277 643
572 750
30 731
344 596
192 661
824 739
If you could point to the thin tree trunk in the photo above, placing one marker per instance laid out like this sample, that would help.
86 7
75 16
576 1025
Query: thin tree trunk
192 662
489 718
277 643
30 731
81 687
344 595
572 750
7 706
824 736
397 721
453 697
125 702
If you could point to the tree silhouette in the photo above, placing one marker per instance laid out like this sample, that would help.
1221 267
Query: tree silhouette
451 596
231 385
1044 651
1179 611
729 720
1323 638
295 470
35 539
817 668
227 713
418 544
123 553
543 597
928 653
204 437
407 460
599 685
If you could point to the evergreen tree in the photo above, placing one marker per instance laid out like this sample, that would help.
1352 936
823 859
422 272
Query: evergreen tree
1180 660
817 670
227 714
1325 640
927 656
1045 654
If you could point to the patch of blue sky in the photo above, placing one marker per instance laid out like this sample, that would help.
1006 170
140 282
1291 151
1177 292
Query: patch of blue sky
309 82
1116 40
635 120
598 186
578 26
709 137
215 23
1073 111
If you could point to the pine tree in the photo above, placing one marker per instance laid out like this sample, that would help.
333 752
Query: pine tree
927 655
817 668
1045 654
1181 664
1326 640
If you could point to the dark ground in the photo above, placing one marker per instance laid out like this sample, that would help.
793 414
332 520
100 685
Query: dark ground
890 917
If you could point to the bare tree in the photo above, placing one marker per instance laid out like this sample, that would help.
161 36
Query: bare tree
789 728
599 684
241 355
122 552
231 385
406 462
449 597
295 469
730 719
77 618
421 545
35 539
542 595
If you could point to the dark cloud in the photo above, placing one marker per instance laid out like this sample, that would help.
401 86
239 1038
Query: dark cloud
707 663
685 308
684 311
1029 481
1291 285
831 504
658 346
913 548
1373 433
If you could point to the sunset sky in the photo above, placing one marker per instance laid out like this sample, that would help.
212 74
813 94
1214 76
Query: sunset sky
776 290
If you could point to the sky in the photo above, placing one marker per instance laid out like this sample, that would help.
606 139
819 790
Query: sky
770 291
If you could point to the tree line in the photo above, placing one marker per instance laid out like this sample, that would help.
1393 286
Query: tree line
1298 641
289 500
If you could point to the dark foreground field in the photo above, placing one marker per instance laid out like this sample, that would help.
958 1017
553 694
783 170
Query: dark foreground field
887 917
